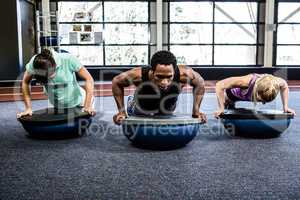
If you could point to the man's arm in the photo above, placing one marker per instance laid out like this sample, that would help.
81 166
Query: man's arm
194 79
119 82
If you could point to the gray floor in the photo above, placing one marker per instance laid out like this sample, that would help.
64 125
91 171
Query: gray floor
104 165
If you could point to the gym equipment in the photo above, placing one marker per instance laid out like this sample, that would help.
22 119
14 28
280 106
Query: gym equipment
56 123
160 132
256 123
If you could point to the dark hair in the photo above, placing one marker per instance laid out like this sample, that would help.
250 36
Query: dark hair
163 57
44 62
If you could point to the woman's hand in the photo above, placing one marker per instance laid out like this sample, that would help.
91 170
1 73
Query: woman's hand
218 113
289 110
90 110
28 111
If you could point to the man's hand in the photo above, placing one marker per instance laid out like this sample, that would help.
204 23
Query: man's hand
25 113
90 110
201 116
118 118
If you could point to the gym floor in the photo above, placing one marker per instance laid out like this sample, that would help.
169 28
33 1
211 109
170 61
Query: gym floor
104 165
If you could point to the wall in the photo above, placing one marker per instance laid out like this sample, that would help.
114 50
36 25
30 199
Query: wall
17 40
28 30
9 44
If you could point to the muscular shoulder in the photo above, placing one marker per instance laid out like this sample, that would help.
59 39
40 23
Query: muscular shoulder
132 76
186 73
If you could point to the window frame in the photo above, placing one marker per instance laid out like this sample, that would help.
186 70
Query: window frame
213 23
103 23
275 41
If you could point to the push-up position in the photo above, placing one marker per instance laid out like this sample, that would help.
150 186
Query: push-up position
252 87
56 72
157 88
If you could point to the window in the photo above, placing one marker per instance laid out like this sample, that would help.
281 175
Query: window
126 25
106 32
80 11
214 33
202 33
288 34
191 32
81 30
